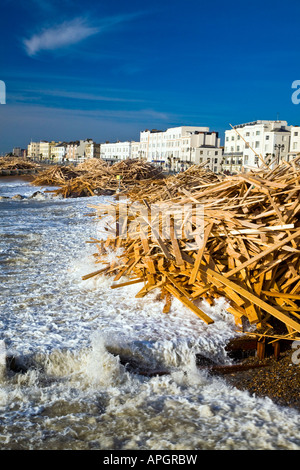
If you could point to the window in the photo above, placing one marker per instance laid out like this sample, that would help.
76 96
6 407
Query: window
267 137
216 152
215 169
227 139
238 148
295 145
296 134
232 137
257 132
256 144
247 134
216 160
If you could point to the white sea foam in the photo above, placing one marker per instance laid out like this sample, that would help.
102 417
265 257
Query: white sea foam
74 340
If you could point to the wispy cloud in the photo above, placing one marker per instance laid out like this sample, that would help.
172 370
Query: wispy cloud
88 96
71 32
62 35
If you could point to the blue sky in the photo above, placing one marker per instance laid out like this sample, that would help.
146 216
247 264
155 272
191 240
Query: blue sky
108 69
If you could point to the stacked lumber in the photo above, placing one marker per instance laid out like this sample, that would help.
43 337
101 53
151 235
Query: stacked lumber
92 165
16 163
55 176
96 177
173 186
246 250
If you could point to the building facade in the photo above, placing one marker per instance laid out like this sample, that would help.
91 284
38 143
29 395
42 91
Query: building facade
248 145
294 143
92 150
45 152
115 151
59 152
33 150
178 148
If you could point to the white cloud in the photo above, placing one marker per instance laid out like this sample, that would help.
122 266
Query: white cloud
62 35
71 32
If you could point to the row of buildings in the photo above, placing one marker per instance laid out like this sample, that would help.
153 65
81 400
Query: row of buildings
245 146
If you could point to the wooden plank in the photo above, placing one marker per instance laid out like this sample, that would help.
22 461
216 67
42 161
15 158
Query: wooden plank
168 303
128 283
95 273
175 244
281 295
200 253
264 253
189 304
253 298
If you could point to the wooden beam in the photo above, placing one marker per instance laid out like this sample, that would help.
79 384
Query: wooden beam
252 298
189 304
200 254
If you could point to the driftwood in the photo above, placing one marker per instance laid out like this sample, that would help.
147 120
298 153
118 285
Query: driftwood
248 249
17 163
96 177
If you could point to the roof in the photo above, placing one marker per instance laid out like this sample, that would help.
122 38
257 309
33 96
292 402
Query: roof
280 129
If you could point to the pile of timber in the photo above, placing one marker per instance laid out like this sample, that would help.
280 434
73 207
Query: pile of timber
92 165
16 163
248 249
56 175
97 177
195 177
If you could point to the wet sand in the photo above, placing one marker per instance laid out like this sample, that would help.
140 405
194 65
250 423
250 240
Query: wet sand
279 380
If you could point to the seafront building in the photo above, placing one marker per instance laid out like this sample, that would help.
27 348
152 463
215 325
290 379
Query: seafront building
92 150
33 150
294 143
247 145
177 148
74 151
115 151
45 152
77 151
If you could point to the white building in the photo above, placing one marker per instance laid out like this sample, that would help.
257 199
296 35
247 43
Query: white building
115 151
92 150
294 143
179 147
80 150
33 150
45 151
248 145
59 152
136 153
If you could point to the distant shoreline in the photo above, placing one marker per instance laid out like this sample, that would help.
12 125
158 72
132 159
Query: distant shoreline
17 178
16 173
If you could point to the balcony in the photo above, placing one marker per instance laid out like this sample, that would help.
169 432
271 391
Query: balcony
233 154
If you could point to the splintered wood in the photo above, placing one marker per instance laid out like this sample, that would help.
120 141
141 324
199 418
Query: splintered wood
17 163
95 176
246 250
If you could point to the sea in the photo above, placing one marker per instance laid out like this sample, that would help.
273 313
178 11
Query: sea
65 346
